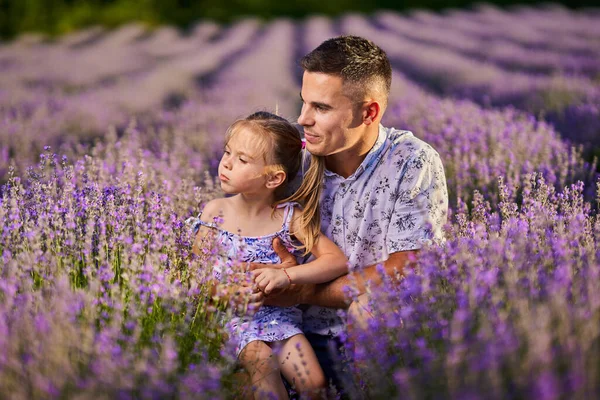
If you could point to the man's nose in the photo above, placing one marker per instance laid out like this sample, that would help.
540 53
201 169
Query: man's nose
305 119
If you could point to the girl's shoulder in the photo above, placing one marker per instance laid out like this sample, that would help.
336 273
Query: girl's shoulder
211 215
215 208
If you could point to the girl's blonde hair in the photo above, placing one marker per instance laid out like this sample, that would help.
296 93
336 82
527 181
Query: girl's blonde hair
282 146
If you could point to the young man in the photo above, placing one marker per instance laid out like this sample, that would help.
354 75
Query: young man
384 190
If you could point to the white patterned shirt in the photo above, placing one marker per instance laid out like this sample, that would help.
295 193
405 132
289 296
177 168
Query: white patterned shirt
395 201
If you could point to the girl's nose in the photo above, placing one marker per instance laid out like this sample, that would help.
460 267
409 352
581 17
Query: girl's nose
225 162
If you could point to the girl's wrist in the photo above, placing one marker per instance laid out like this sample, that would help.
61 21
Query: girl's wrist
288 276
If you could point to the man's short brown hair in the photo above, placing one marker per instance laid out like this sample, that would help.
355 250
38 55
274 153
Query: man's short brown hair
356 60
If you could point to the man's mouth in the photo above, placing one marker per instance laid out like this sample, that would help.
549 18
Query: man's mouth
310 138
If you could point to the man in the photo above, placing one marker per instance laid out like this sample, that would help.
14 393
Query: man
384 190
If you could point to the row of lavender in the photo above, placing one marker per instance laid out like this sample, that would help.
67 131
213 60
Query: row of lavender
509 308
545 62
483 61
477 144
99 295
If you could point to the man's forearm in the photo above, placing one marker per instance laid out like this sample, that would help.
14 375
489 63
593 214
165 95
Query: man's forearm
338 293
332 294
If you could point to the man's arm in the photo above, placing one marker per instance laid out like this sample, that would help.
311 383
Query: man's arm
333 294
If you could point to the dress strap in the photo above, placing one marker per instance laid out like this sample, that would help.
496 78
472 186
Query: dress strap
196 222
288 213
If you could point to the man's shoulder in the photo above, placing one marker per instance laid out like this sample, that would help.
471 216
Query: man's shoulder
405 145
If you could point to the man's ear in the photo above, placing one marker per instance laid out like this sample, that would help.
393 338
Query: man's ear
275 178
371 111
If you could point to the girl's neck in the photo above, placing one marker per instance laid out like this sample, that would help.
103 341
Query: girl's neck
252 206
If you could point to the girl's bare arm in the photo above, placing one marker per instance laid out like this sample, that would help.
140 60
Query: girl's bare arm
329 263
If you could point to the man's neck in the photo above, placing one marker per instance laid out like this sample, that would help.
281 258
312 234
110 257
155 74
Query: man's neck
346 162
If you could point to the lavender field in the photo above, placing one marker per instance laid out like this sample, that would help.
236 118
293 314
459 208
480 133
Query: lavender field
107 144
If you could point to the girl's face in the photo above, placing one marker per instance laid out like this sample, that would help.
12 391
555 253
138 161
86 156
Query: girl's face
243 168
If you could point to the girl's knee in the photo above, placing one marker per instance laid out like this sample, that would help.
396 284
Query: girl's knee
301 368
257 356
316 382
312 383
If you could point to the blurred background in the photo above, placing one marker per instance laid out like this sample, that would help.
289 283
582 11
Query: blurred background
63 16
499 89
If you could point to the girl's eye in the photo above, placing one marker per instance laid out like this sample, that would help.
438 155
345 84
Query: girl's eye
243 161
226 152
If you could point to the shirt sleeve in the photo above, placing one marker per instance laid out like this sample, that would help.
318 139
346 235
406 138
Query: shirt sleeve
421 202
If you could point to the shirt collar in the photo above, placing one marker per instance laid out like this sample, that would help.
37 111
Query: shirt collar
372 155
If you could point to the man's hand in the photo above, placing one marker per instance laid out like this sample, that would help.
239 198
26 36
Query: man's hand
287 259
292 295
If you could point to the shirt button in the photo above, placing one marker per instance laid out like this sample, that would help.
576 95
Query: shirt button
343 185
337 223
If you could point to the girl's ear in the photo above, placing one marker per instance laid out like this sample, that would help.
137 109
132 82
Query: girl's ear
275 179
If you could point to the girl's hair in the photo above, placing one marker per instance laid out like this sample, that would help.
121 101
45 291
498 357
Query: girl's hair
282 146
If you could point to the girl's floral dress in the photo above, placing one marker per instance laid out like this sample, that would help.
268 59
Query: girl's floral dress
270 323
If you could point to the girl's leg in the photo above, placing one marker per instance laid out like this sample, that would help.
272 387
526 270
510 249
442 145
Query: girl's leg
262 365
301 368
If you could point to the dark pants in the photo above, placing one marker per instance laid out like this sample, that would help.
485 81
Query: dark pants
333 362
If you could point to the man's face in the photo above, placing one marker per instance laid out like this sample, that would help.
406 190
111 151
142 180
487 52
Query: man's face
329 117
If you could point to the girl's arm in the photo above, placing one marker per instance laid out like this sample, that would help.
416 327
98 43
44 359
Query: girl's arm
329 263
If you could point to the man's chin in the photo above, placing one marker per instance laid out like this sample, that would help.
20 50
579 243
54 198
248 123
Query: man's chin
315 150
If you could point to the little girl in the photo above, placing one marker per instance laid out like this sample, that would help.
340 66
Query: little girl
263 153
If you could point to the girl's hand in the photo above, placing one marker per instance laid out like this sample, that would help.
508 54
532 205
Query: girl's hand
270 279
244 299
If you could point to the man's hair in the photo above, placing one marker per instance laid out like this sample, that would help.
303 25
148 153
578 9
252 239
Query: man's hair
356 60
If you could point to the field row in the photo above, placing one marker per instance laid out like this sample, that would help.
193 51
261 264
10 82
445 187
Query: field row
546 62
68 93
